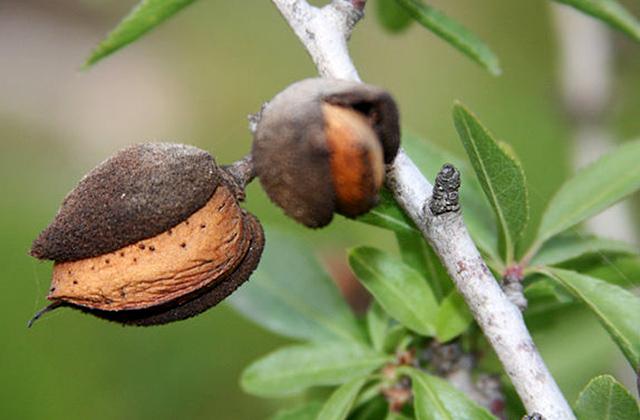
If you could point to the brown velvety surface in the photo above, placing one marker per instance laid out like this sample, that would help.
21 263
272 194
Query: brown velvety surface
139 192
198 251
292 158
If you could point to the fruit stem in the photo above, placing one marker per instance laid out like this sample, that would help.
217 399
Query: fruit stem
242 172
43 311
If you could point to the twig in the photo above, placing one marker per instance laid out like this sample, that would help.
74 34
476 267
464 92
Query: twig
324 33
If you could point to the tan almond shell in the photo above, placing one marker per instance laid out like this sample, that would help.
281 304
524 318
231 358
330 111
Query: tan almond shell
356 160
200 250
199 300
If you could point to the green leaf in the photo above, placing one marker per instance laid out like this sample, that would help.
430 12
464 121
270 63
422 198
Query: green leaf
500 175
617 309
392 16
567 247
438 277
399 289
307 411
397 334
388 215
453 318
453 33
340 402
291 295
435 399
623 271
610 12
592 189
293 369
606 398
417 254
545 295
396 416
145 16
374 409
377 325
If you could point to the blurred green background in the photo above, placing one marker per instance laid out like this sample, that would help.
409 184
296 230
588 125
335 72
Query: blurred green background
195 80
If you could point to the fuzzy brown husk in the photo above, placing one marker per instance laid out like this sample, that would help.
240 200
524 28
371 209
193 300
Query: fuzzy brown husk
290 150
139 192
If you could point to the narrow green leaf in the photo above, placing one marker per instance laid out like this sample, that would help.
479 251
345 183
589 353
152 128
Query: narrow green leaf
500 175
392 16
291 295
606 398
454 317
374 409
435 399
610 12
377 325
340 402
417 254
544 295
388 215
399 289
622 271
293 369
307 411
396 416
397 334
453 33
617 309
368 393
411 252
437 274
592 189
145 16
566 247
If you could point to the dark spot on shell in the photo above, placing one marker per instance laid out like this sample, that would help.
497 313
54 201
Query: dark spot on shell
135 260
53 289
75 282
141 246
107 261
93 267
202 226
152 248
186 222
122 254
184 245
122 293
69 272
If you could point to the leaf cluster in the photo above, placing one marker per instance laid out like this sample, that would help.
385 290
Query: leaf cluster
414 301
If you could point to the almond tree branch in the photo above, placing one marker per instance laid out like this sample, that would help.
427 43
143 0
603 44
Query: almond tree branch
324 33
